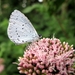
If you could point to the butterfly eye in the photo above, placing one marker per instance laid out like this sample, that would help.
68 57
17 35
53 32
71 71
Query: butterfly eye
40 36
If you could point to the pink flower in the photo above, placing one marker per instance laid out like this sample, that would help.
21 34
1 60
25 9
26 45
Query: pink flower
47 57
1 65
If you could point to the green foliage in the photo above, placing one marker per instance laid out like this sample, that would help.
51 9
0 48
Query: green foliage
49 17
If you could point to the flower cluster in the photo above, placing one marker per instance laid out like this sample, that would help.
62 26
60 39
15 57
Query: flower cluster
47 57
1 65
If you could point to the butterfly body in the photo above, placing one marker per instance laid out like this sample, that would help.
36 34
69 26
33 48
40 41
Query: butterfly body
20 30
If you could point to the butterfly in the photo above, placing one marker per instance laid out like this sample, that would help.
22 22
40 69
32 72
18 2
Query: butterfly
20 30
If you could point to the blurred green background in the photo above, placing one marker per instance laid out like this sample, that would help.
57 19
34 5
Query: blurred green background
47 16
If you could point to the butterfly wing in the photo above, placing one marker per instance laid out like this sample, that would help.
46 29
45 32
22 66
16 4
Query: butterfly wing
20 29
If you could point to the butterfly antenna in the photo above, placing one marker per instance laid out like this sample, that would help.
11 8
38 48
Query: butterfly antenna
15 63
53 35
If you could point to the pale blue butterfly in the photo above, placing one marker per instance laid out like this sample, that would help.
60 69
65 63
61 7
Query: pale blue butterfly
20 30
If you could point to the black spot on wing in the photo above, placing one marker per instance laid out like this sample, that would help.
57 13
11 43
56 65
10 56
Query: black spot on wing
22 28
22 24
13 22
25 23
22 40
26 35
18 35
14 41
10 36
18 39
16 31
9 28
16 18
25 41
